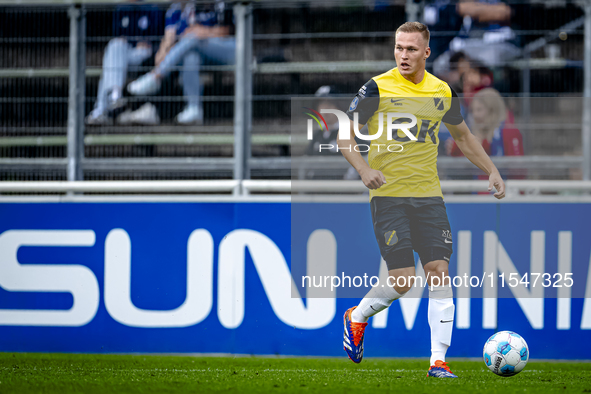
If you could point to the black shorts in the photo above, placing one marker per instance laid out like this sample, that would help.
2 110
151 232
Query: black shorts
402 224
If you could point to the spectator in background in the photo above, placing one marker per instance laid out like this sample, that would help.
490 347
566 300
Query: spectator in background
441 17
485 35
191 39
459 64
130 21
491 123
475 78
468 77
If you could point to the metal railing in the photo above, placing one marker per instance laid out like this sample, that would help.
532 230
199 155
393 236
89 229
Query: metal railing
515 189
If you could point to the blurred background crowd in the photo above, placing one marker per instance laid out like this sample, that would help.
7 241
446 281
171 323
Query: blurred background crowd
159 84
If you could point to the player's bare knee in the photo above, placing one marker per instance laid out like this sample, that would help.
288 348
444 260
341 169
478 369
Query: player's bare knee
437 273
404 288
436 268
401 279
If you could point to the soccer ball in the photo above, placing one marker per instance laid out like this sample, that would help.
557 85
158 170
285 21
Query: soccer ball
505 353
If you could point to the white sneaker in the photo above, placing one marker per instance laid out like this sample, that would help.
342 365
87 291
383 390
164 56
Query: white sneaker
97 118
124 119
146 115
192 114
144 85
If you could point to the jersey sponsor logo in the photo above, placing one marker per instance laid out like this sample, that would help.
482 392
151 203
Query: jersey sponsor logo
427 130
396 102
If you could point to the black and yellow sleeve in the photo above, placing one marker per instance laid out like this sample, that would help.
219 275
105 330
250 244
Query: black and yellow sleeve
453 116
366 102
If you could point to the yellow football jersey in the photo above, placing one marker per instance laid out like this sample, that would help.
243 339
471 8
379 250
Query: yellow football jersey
388 101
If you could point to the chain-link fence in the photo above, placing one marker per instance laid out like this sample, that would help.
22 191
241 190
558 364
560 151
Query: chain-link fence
299 49
33 104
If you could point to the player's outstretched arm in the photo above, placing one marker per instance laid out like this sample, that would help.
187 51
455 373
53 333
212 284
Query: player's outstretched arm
372 179
474 151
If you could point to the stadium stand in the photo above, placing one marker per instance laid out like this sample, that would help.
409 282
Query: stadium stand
290 60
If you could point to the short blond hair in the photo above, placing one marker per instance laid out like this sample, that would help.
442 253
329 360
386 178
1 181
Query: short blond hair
414 27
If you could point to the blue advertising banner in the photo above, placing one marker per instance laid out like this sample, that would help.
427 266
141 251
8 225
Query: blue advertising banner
216 278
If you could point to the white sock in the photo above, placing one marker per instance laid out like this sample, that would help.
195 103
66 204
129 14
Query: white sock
376 300
441 316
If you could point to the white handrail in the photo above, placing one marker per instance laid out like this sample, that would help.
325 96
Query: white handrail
215 186
270 186
266 186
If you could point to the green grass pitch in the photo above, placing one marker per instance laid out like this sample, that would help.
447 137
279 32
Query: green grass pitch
90 373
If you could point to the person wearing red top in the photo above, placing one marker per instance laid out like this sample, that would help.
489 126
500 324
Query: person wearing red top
492 124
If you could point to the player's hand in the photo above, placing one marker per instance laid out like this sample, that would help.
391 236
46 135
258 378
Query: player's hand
372 179
495 180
